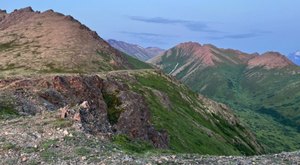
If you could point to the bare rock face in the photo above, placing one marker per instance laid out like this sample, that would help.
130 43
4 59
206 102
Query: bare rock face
100 105
77 90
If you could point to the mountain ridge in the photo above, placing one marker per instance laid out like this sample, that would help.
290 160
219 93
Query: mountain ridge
210 55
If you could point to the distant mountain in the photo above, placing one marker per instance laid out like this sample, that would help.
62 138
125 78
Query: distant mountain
295 57
136 51
194 55
263 89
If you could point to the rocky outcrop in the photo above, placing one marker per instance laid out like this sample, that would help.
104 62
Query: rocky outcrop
134 117
101 105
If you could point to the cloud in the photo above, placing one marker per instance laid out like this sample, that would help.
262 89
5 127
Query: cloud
235 36
140 34
159 20
191 25
200 27
196 26
252 34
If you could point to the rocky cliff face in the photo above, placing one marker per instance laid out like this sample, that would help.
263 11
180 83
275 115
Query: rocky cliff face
101 105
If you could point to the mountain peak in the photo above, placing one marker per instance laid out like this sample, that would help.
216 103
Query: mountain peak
186 56
53 41
270 60
189 44
197 52
26 9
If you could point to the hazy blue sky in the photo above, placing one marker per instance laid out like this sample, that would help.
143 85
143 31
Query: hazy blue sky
248 25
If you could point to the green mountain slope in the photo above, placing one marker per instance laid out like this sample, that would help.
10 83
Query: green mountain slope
263 90
195 124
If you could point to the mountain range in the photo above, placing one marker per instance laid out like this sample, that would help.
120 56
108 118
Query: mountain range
68 85
262 89
136 51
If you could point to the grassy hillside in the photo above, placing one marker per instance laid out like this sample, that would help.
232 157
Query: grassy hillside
136 64
188 120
